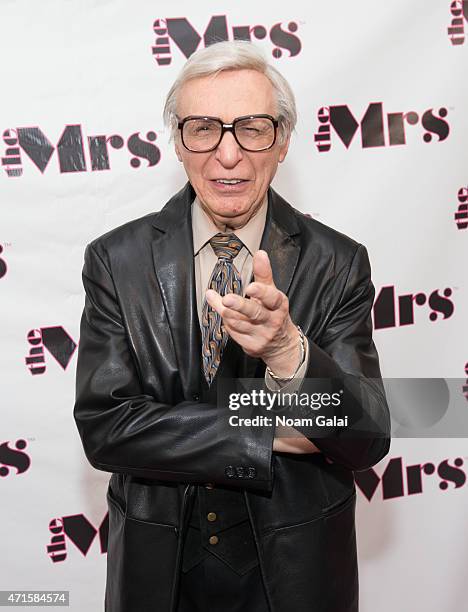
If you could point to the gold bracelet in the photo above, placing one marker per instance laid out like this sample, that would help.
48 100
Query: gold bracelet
284 380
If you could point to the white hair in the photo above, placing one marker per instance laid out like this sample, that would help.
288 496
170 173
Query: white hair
234 55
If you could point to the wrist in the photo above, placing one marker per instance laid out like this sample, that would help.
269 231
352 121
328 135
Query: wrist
284 366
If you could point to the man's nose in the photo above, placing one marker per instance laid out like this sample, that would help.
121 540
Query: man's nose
228 152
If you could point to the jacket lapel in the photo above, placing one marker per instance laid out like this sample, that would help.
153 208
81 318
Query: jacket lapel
173 263
283 251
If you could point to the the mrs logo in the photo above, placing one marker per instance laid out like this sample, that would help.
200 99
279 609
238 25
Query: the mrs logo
459 13
3 266
377 129
465 386
71 149
13 458
461 214
386 307
56 340
393 478
181 32
79 530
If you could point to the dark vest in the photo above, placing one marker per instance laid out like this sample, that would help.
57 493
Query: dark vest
219 522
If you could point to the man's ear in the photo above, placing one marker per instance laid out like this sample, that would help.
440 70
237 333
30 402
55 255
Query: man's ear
284 149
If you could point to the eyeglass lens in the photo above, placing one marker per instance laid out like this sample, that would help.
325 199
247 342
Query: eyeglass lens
204 134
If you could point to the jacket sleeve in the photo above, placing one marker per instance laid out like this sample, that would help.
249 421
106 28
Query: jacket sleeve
346 353
125 430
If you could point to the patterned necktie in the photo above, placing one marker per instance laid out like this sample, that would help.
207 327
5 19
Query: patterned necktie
224 279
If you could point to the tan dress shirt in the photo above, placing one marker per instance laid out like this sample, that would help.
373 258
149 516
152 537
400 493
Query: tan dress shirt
203 229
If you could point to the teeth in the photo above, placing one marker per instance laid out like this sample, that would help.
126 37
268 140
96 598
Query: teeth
229 181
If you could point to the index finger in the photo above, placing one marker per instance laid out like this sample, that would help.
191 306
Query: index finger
268 295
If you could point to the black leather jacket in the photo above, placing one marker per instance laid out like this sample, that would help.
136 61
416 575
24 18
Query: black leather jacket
139 414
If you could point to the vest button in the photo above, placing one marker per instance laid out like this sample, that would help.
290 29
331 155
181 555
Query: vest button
211 516
213 540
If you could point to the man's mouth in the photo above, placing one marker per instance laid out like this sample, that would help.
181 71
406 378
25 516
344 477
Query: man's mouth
234 181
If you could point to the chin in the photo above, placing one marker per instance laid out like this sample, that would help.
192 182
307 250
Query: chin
229 208
232 211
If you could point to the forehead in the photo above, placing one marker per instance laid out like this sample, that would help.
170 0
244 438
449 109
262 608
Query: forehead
228 94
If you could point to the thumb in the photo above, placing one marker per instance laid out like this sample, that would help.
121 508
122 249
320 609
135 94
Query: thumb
262 268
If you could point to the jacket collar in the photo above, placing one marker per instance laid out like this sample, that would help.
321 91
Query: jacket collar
173 262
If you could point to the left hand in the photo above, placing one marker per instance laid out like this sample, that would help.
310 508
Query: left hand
262 324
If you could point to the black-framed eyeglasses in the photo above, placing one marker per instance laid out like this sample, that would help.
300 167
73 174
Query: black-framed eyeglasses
252 132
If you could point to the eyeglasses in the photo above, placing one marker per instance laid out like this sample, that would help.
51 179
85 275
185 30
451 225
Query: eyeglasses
252 132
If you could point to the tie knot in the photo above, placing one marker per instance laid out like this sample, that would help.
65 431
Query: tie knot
226 245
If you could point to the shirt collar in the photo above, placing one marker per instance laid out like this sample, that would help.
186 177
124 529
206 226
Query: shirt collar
204 229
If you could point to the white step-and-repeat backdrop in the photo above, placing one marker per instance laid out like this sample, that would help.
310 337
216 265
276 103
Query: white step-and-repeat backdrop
380 153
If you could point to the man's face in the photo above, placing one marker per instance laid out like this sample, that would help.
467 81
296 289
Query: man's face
228 95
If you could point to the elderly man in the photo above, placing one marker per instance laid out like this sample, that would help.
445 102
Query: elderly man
227 281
